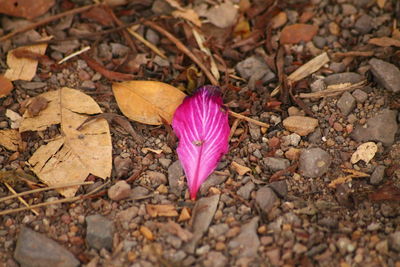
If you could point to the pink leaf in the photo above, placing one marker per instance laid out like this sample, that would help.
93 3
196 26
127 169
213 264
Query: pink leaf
201 124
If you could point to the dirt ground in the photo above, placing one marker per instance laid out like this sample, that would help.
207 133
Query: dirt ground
312 176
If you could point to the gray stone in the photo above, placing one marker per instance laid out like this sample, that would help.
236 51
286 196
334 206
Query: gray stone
35 249
319 41
346 103
215 259
337 67
255 131
99 232
276 164
387 74
380 128
120 190
165 162
345 77
394 241
291 140
378 174
156 178
348 9
360 96
218 230
280 188
211 181
138 192
253 68
152 37
122 166
175 178
318 85
364 24
33 85
161 7
314 162
315 137
203 213
246 190
265 198
247 241
125 216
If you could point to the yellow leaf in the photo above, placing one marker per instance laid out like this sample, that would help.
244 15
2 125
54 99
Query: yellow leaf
147 101
71 157
165 210
240 169
24 68
10 139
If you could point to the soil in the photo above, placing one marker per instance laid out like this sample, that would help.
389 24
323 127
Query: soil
301 201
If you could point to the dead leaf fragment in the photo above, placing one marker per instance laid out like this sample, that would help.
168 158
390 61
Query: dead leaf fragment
364 152
189 15
384 42
74 155
223 15
36 105
295 33
10 139
24 68
6 86
14 117
279 20
344 179
146 232
164 210
147 102
381 3
24 8
240 169
185 215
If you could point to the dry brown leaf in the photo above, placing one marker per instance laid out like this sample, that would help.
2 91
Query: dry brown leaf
295 33
240 169
6 86
364 152
25 8
165 210
381 3
189 15
74 155
24 68
14 117
147 101
279 20
384 41
185 215
10 139
344 179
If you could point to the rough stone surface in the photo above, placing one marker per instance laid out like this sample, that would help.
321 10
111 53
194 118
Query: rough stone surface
394 241
35 249
253 68
300 124
346 103
364 24
99 232
380 128
276 164
314 162
345 77
203 213
280 188
360 95
215 259
387 74
245 190
175 178
378 174
120 190
247 240
212 180
265 198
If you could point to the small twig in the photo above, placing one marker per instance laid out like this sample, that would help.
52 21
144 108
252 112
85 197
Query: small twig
334 90
86 48
21 199
146 43
233 128
242 117
183 49
46 20
41 190
353 54
59 201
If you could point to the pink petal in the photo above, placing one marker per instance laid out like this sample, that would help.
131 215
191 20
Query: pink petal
201 124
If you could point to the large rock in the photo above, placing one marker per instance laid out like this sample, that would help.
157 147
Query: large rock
175 178
314 162
265 198
380 128
387 74
35 249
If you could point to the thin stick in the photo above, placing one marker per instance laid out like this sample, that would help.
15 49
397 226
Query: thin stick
46 20
21 199
183 49
146 43
233 128
65 200
86 48
242 117
42 189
